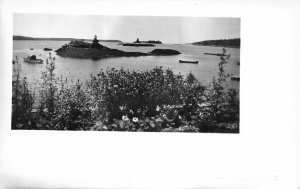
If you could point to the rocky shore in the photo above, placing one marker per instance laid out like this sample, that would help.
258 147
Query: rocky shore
95 51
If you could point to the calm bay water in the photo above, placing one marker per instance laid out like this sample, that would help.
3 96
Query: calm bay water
81 69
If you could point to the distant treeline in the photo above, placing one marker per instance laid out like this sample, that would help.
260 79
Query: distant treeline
221 42
152 41
17 37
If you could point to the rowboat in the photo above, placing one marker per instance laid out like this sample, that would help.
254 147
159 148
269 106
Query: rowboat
32 59
235 78
185 61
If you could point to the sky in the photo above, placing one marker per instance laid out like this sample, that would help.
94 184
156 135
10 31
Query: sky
126 28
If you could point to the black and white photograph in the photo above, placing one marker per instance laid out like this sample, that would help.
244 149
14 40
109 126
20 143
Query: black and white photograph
149 94
126 73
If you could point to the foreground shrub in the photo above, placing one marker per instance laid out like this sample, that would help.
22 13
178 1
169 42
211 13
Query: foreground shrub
62 105
74 108
127 100
119 91
23 98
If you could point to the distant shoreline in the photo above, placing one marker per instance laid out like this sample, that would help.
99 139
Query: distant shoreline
15 37
235 47
229 43
201 43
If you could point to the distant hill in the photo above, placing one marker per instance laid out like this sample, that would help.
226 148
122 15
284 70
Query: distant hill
234 43
18 37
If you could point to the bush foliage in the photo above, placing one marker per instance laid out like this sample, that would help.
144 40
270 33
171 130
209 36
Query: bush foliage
127 100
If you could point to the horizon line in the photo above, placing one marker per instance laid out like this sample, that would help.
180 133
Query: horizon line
118 39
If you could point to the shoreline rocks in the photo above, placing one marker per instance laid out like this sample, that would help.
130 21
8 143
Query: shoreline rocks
216 54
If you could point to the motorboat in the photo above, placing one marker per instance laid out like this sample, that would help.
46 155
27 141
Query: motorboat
33 59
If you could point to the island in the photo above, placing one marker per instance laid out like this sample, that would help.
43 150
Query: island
231 43
153 42
96 51
138 43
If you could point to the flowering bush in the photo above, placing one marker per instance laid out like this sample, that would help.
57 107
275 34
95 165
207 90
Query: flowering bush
127 100
23 98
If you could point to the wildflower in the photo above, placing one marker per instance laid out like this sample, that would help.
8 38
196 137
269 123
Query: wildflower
131 111
179 117
164 116
121 107
201 114
135 119
158 108
19 125
104 128
125 118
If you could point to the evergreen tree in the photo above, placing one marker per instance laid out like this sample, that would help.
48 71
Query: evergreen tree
95 44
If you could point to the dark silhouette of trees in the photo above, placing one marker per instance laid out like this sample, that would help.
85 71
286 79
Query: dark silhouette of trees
222 42
95 44
95 39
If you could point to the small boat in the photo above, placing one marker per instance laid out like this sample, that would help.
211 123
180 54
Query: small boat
33 59
235 78
191 62
47 49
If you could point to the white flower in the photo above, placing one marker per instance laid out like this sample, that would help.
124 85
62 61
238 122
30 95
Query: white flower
179 117
121 107
201 115
135 119
158 108
131 111
125 118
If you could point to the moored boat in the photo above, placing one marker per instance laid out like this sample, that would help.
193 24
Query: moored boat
185 61
235 78
33 59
